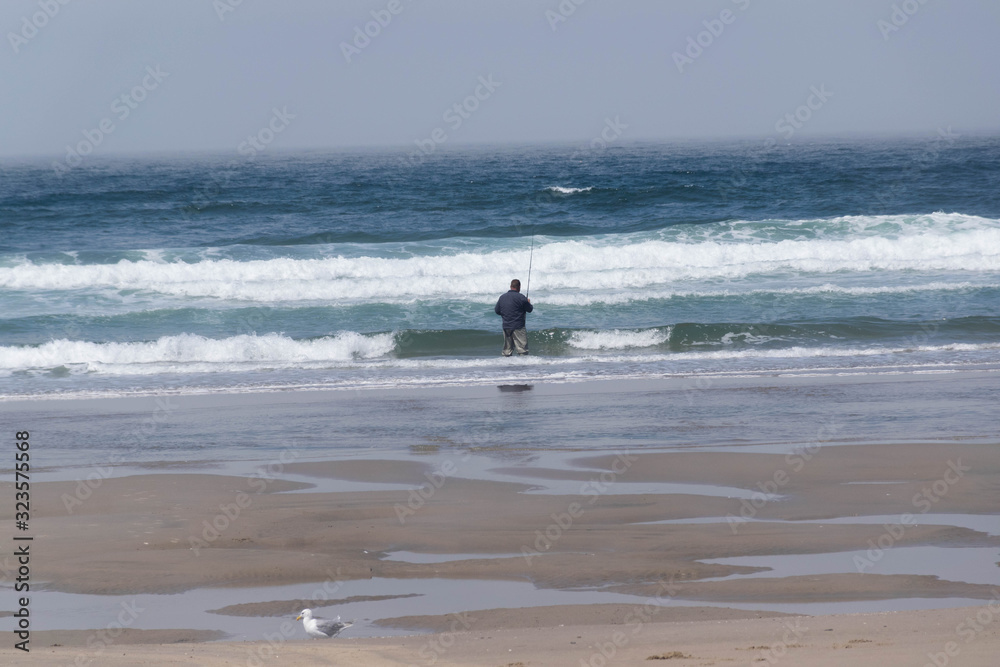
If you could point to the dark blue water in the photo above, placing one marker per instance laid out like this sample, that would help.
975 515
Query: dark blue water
356 269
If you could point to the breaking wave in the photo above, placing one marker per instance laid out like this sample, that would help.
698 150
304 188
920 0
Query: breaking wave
603 263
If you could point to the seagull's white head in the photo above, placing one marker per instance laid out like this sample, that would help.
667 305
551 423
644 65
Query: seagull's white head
306 614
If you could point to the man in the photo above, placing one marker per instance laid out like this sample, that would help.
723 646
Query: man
512 307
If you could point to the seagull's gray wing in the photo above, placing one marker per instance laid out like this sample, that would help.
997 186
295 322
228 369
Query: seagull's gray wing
330 627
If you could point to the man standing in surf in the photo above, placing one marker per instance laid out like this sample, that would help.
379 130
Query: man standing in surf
512 307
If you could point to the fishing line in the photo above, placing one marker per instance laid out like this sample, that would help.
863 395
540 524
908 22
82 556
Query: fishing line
530 256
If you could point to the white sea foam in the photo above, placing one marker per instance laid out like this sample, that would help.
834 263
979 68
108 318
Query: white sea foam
608 264
844 227
569 298
745 337
619 339
191 353
188 353
568 191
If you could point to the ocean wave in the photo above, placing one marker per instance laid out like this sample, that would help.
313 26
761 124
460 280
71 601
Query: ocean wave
567 191
189 352
787 353
596 263
619 339
426 349
567 298
149 359
893 226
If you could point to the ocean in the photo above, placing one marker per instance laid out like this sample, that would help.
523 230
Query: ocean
133 276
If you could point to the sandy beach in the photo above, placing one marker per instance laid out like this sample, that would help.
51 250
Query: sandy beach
161 533
900 639
669 575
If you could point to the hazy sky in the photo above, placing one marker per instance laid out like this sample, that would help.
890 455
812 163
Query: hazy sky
208 83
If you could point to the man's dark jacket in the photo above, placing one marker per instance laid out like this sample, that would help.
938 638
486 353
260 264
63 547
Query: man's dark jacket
511 307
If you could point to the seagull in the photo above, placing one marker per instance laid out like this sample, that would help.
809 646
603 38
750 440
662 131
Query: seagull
321 628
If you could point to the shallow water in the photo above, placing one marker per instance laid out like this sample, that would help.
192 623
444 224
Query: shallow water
983 523
775 414
974 565
425 558
191 610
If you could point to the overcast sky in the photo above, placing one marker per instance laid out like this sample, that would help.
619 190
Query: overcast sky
849 66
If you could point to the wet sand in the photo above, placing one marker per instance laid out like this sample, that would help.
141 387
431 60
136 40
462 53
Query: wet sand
169 533
165 533
900 639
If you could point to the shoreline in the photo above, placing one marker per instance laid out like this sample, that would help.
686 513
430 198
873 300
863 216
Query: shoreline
769 413
486 385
